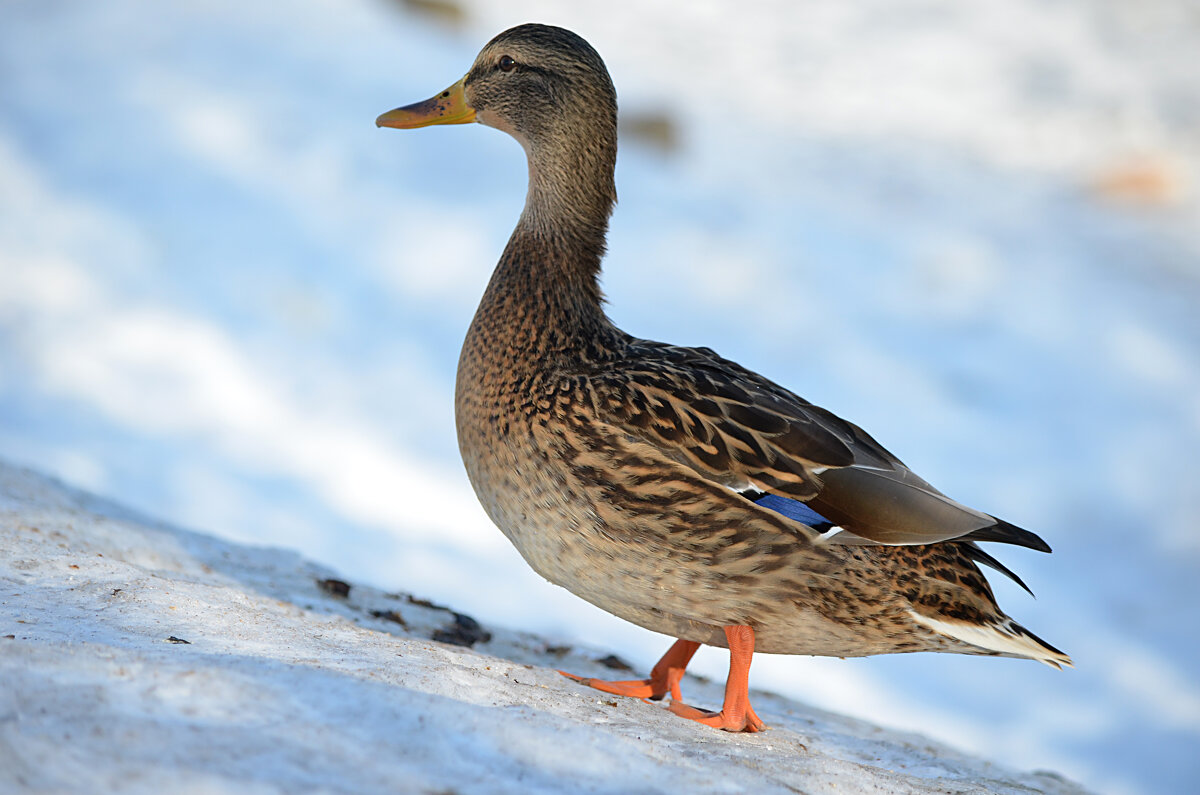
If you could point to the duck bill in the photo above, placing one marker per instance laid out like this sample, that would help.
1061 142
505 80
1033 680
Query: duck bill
448 107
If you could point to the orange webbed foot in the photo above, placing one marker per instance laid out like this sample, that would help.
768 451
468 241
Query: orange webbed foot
664 678
632 688
746 721
736 714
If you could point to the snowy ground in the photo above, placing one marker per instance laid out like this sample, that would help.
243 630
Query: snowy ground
137 657
974 229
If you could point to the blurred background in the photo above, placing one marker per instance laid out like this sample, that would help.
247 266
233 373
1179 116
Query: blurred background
228 300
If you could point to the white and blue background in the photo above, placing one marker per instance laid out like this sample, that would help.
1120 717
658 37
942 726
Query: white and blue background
227 299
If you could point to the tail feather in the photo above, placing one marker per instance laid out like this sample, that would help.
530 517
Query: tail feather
1005 637
979 556
1005 533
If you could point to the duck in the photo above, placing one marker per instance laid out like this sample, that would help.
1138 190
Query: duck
667 485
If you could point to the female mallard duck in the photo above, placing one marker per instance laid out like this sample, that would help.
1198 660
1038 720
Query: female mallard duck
666 485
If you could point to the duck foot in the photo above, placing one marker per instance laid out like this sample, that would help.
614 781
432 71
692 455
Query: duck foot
736 714
664 677
726 720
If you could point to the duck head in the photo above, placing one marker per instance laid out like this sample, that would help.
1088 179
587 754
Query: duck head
532 81
549 89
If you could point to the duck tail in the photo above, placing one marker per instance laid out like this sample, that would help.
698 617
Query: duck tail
1004 637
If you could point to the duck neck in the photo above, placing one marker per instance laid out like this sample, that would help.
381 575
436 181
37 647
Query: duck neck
545 293
549 272
572 192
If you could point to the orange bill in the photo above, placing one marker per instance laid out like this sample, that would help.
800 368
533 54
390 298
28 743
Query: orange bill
448 107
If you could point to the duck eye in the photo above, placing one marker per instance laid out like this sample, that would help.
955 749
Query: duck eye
507 64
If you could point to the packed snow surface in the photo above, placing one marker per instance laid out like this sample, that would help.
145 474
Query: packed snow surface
137 657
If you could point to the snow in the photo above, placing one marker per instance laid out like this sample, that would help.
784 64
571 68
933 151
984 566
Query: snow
973 229
285 686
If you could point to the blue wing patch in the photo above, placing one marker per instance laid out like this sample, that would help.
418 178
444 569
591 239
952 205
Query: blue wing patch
794 509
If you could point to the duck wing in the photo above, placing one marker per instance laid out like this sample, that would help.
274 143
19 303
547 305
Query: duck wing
752 436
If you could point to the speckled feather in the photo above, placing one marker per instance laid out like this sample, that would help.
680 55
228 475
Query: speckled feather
624 469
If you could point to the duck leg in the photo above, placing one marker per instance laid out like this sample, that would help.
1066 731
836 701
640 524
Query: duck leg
736 714
664 676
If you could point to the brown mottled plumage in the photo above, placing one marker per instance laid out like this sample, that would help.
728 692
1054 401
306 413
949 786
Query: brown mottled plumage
630 471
